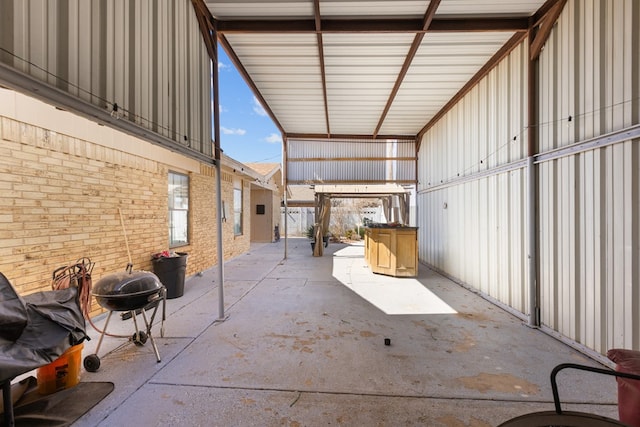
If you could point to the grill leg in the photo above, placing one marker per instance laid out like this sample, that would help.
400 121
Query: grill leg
139 337
135 322
153 341
163 295
104 330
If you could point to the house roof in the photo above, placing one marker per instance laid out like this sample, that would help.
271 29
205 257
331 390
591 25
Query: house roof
239 167
370 68
254 172
265 169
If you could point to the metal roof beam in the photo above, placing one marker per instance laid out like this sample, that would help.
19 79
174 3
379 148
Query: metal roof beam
322 136
205 22
348 159
543 11
428 18
351 182
373 25
323 76
547 21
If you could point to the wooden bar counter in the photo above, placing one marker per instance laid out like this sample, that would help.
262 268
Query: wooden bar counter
392 250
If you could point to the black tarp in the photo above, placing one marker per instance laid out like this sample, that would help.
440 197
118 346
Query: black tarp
36 329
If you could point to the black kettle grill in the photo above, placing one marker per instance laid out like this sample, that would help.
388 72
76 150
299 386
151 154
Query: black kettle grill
133 292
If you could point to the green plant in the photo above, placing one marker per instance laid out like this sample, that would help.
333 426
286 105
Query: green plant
310 233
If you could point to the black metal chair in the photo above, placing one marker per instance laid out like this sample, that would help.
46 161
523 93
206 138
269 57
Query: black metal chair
568 418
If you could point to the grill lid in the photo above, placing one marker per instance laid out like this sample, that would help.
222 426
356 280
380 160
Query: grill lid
126 284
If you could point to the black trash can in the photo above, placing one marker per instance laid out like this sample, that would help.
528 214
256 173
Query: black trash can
171 271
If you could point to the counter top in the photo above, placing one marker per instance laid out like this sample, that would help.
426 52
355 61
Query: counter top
399 227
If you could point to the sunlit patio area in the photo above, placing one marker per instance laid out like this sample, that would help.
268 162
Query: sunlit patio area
304 343
487 149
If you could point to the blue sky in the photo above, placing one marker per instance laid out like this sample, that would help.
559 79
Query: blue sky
247 133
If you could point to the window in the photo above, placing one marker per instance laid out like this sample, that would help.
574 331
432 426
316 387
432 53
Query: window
237 210
178 209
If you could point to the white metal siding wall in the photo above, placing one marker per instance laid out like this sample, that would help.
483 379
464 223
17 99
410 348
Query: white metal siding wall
590 202
355 161
146 56
472 227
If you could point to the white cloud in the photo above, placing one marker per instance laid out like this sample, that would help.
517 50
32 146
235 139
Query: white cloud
232 131
258 108
274 138
222 66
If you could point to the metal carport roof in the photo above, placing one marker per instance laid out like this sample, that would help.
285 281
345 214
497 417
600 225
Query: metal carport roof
367 69
363 68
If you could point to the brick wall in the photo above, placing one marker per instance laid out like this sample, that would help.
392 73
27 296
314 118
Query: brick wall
202 235
63 198
232 244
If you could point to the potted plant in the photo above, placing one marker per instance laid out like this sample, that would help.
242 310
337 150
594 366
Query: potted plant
311 235
325 239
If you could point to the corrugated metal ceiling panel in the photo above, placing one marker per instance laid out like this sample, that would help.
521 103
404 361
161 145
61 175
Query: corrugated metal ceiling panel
379 8
286 71
361 70
342 161
252 9
489 7
361 67
433 84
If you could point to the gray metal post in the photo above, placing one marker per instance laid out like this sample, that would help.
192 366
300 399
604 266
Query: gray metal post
219 243
216 131
286 202
532 191
532 255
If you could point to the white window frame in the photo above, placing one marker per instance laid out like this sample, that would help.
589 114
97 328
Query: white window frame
178 192
238 194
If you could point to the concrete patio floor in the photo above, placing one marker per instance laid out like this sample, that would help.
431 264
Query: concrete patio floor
303 344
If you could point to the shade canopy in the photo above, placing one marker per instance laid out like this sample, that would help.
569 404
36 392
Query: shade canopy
367 68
